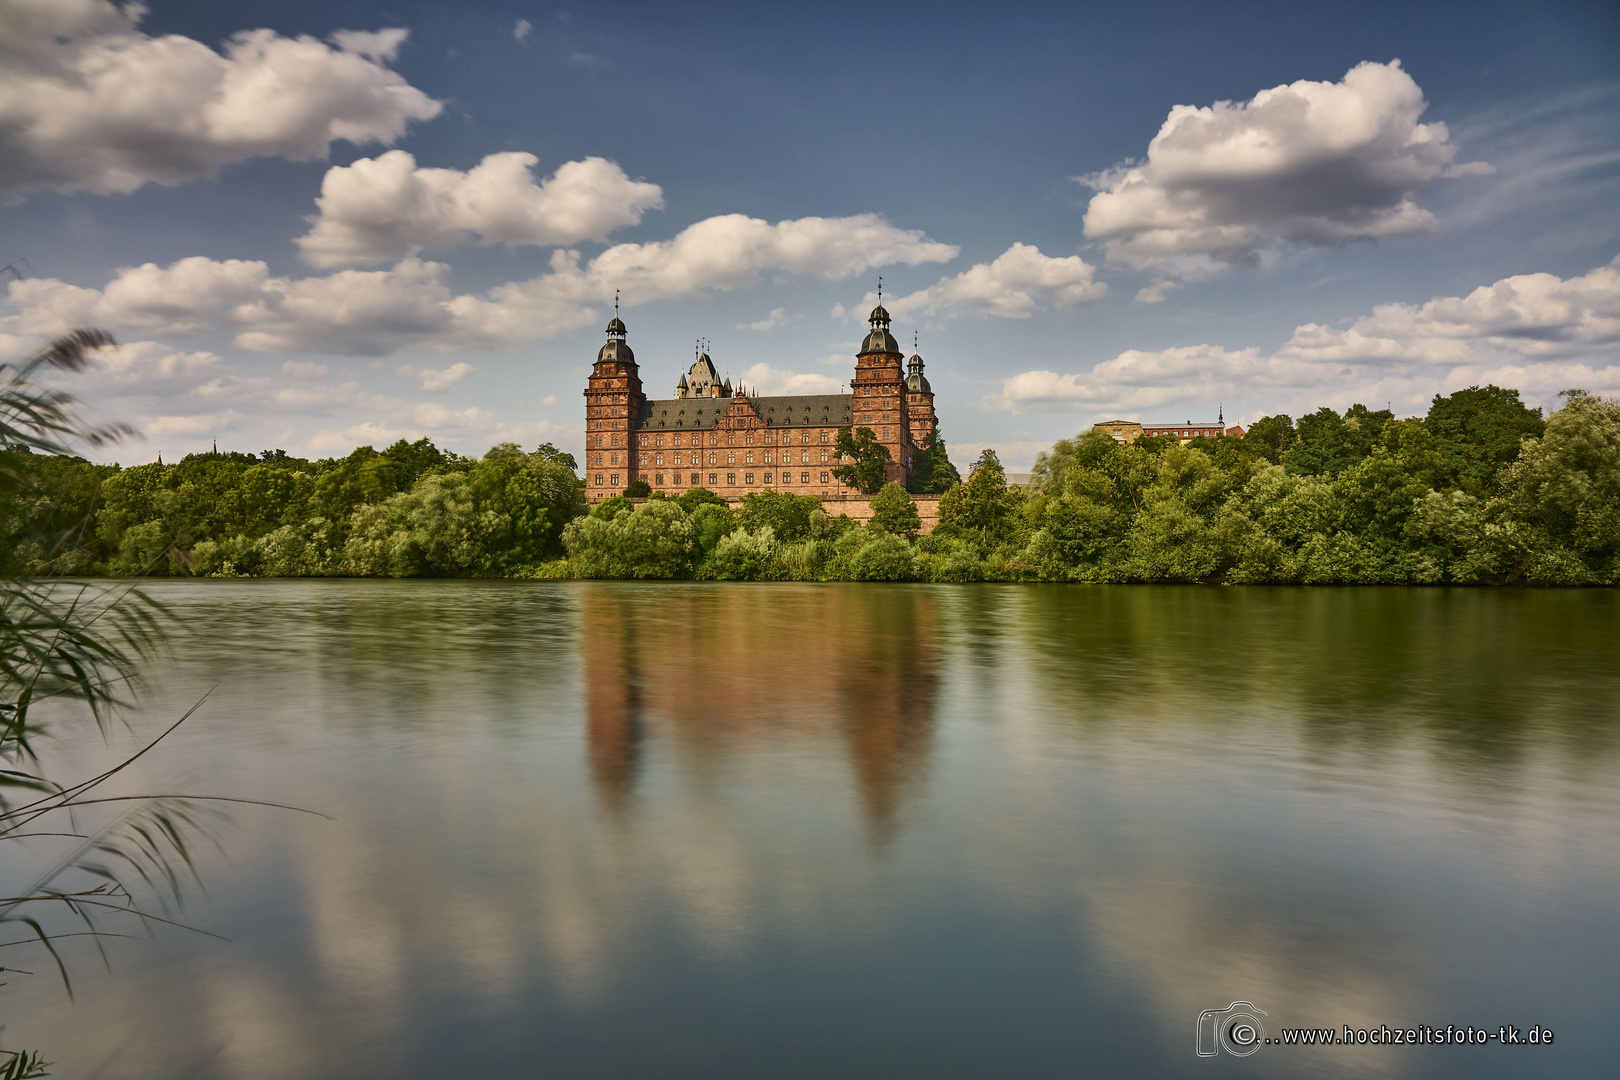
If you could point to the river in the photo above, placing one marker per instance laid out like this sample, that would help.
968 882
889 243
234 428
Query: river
629 830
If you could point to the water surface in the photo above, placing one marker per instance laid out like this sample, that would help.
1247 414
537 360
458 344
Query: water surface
640 830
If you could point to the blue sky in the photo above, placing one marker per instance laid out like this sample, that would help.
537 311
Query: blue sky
310 226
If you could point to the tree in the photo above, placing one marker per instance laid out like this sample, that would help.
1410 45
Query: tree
693 498
894 511
1326 444
1271 436
866 459
1478 432
637 489
787 515
546 452
932 472
981 509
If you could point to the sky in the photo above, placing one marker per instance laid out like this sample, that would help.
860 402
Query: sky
317 226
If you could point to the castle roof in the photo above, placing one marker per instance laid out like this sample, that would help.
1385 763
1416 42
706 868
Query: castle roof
793 410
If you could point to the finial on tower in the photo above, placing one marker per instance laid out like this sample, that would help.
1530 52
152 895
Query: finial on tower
615 303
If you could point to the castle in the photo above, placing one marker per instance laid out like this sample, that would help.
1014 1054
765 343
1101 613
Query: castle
734 443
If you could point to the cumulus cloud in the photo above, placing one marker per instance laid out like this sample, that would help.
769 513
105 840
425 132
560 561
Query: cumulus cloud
521 30
1314 163
89 102
386 207
1529 315
764 379
434 380
1015 286
1535 332
410 305
776 318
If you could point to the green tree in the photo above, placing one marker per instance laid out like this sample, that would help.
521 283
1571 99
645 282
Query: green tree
866 460
1477 432
895 511
787 515
637 489
546 452
932 472
693 498
652 541
982 509
1326 443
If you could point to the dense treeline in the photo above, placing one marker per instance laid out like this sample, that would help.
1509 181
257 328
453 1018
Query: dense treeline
1481 490
409 510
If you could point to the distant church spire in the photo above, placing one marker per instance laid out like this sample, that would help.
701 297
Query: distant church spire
1220 417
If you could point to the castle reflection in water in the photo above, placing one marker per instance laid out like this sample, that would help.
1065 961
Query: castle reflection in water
716 675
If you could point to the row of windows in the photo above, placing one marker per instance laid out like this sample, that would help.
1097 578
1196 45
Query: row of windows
714 479
765 437
650 460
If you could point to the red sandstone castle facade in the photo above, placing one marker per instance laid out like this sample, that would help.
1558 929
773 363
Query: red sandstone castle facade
733 443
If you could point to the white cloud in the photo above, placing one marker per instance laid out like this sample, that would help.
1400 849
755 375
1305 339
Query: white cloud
1530 315
89 102
1309 162
1156 290
776 318
1014 286
386 207
762 379
411 307
1536 332
549 401
521 30
437 381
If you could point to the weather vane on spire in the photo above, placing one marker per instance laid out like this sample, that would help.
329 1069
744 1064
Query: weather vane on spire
880 290
615 303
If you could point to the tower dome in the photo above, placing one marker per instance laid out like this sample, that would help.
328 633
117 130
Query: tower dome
616 349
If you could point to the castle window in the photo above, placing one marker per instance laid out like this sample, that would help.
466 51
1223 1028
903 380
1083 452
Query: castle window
768 457
823 436
694 478
888 433
613 459
714 440
804 457
750 457
714 478
660 480
599 440
677 439
599 463
731 438
713 458
823 478
660 441
659 461
749 438
613 440
731 479
598 478
748 478
731 457
804 478
613 480
824 455
644 461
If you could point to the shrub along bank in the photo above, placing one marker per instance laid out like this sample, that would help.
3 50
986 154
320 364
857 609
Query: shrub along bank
1481 490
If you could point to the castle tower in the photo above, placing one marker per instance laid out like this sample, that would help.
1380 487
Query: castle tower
879 389
919 400
613 399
